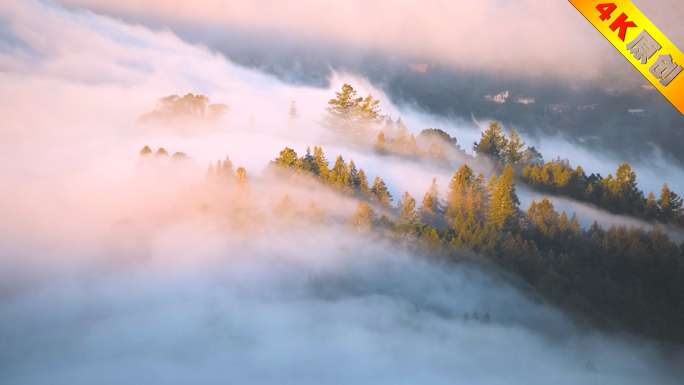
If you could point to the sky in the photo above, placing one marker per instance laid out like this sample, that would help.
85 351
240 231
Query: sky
111 271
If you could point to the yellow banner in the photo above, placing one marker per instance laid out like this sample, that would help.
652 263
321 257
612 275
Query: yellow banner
641 42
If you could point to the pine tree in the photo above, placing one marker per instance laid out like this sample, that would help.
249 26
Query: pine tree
350 117
362 219
670 204
286 208
503 210
458 189
339 175
381 143
288 158
651 207
428 206
354 179
315 214
363 187
320 164
293 111
492 143
407 210
509 176
241 177
513 153
380 193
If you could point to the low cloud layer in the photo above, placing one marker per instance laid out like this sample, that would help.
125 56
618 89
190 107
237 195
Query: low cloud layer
530 35
114 270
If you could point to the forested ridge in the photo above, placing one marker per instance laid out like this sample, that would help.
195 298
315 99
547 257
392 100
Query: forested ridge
622 278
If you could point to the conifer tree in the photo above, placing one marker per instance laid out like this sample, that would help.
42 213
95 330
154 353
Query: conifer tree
509 176
651 207
381 143
315 214
293 111
380 193
458 190
288 158
492 143
241 177
320 164
354 179
513 152
670 204
362 219
363 187
350 117
407 210
339 175
503 209
286 208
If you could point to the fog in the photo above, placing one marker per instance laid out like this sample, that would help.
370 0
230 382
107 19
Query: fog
117 268
475 35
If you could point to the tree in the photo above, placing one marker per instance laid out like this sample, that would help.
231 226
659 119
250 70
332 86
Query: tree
407 210
146 151
380 193
503 210
381 143
670 204
285 209
431 202
363 187
320 164
492 143
241 177
362 219
190 106
315 214
293 111
533 157
513 153
288 158
339 175
458 190
161 152
353 173
350 117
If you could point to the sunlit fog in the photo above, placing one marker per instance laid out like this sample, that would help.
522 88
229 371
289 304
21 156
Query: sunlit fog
252 192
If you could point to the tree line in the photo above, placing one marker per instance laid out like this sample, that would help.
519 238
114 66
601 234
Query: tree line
617 194
626 278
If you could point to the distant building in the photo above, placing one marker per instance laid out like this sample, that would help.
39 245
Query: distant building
648 87
498 98
587 107
637 112
558 108
615 90
525 100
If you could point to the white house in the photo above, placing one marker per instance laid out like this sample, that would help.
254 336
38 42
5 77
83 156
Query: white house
498 98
